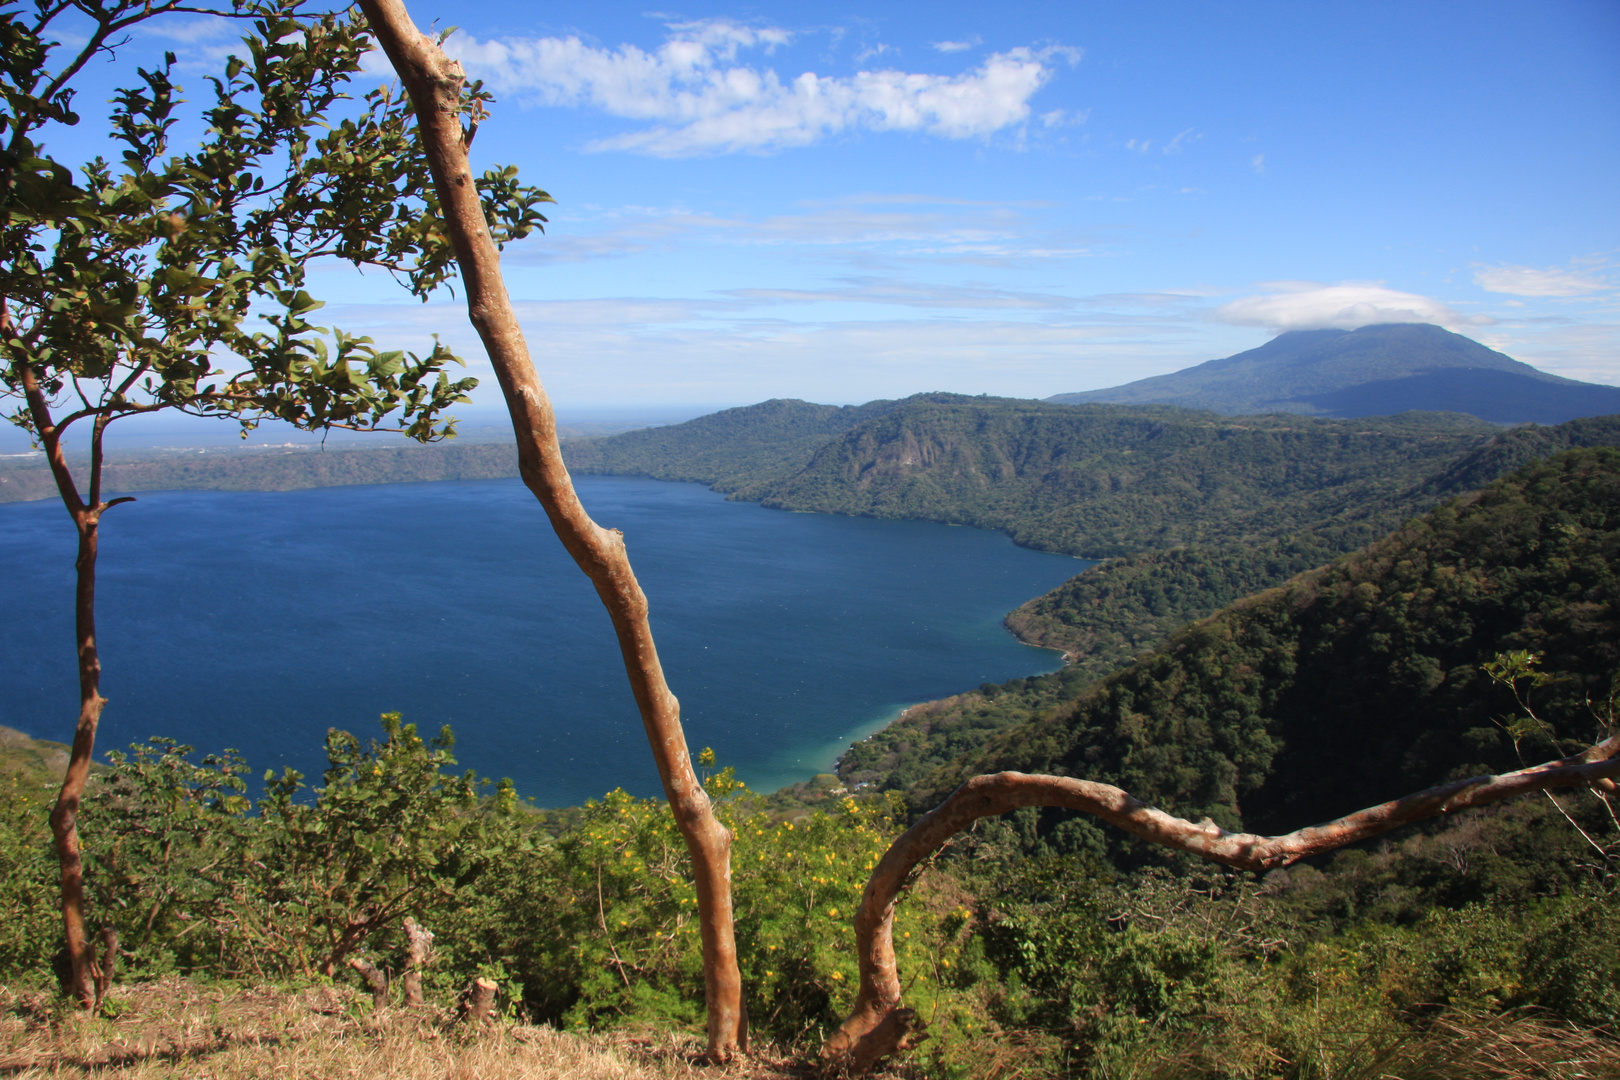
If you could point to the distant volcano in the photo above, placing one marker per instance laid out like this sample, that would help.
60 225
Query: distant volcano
1373 371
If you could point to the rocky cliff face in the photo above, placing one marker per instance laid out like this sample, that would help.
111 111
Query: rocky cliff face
1102 480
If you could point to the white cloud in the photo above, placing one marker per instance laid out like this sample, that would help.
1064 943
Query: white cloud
860 227
954 46
1312 306
701 99
190 31
1175 145
1589 351
745 348
1529 281
1258 163
901 293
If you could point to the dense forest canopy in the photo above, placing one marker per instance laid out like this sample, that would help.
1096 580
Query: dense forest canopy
1124 607
1363 679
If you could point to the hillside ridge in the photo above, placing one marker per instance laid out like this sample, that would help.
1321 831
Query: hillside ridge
1364 676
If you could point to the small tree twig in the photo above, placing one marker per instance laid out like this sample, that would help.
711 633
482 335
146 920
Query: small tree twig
107 970
601 919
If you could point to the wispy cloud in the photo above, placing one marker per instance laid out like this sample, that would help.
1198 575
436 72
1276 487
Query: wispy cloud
1304 305
1258 163
203 28
1589 351
956 46
870 226
1179 143
741 348
701 98
912 294
1530 281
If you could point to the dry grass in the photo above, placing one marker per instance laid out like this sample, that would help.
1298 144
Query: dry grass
1518 1045
179 1030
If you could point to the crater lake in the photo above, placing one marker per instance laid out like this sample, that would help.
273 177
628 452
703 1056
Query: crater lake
257 620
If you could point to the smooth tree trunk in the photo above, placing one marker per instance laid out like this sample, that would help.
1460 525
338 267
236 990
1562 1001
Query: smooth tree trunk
65 814
879 1026
86 515
435 84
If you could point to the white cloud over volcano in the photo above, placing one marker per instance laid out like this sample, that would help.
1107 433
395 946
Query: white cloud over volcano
1303 305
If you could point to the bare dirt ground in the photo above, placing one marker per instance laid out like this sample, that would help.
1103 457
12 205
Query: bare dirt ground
175 1029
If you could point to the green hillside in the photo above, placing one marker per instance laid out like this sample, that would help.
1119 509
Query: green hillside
1362 680
34 765
1104 480
1096 481
1125 607
1113 611
1374 371
1199 511
738 451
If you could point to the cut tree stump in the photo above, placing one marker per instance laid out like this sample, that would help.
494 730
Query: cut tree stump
375 978
479 1006
420 951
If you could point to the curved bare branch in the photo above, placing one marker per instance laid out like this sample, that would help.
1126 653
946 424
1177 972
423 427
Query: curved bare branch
865 1037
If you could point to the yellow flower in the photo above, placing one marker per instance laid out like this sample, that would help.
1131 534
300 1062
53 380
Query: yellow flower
838 975
832 913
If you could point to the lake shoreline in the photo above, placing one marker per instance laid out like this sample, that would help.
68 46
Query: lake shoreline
279 601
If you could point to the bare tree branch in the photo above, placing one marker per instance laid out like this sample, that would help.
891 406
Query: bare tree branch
865 1037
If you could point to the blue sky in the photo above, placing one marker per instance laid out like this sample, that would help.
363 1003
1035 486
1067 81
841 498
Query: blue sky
839 203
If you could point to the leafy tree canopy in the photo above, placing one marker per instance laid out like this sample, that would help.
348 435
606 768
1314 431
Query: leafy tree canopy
171 279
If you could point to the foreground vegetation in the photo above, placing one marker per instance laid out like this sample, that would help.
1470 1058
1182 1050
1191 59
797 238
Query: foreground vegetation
1487 940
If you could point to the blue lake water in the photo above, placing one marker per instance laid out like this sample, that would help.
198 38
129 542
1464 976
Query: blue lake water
256 620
